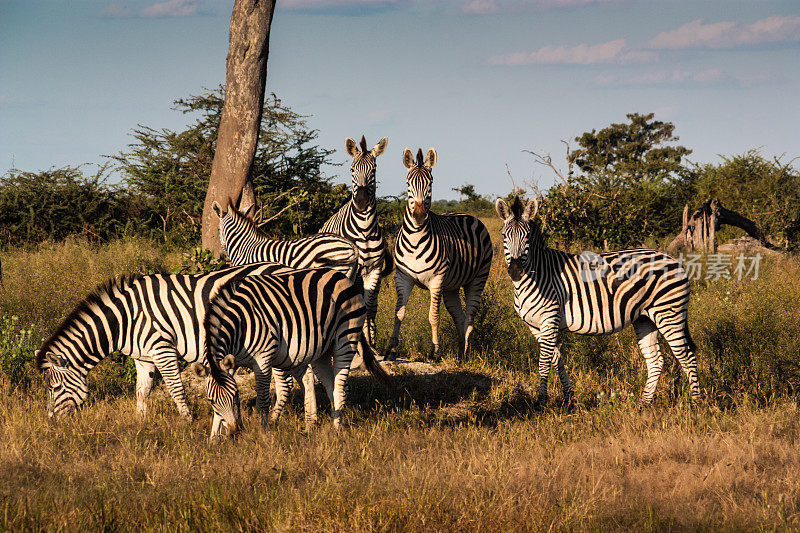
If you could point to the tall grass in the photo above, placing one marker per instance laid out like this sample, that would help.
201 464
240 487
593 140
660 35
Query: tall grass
459 446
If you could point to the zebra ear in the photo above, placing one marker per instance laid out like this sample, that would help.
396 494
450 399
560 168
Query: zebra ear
217 209
352 147
408 158
430 160
380 147
502 209
250 212
531 209
53 360
199 370
227 363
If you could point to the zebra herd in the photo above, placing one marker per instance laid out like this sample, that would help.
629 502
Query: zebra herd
287 308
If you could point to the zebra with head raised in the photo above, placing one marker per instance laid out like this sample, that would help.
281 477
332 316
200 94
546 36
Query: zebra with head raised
244 243
594 294
357 220
155 319
442 253
283 323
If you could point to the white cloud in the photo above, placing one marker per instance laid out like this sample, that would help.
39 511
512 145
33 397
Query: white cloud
697 34
333 4
482 7
116 11
172 8
664 77
583 54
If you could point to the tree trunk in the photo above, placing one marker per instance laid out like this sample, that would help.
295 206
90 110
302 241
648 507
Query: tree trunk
699 231
239 125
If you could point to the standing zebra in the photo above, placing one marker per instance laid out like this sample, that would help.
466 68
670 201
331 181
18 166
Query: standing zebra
155 319
283 322
358 221
439 252
593 294
244 243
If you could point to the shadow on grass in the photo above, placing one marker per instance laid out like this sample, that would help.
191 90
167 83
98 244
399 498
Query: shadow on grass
439 397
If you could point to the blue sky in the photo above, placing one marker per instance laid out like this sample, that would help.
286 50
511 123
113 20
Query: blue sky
479 80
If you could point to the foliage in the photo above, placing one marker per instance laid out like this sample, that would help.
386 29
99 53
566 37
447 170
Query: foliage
55 203
631 185
200 261
765 191
171 170
17 345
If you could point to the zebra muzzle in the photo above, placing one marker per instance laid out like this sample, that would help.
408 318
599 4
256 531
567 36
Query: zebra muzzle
515 269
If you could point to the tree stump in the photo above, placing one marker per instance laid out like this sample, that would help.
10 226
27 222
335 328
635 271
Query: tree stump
698 232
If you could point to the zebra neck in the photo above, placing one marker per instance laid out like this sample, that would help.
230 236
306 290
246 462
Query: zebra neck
366 220
413 230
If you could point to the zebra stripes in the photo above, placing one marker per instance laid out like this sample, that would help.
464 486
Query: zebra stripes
439 252
154 319
594 294
244 243
357 220
283 323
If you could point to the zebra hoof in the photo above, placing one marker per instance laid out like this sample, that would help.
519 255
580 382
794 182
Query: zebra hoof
390 354
568 402
434 353
541 401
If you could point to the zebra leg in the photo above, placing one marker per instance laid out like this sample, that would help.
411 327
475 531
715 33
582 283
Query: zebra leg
676 332
472 299
372 285
309 398
452 301
433 318
647 336
548 338
403 284
283 385
566 384
145 372
166 360
262 372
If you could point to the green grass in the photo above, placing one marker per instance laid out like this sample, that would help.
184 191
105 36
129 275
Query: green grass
459 446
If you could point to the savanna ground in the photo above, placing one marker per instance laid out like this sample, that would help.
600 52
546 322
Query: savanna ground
460 445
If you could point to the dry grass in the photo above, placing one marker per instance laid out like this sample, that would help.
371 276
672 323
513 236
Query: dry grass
460 446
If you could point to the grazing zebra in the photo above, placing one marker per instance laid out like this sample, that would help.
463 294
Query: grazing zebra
283 322
244 243
155 319
358 221
439 252
593 294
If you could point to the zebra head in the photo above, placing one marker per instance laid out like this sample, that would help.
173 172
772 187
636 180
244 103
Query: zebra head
67 388
232 223
420 182
516 233
223 393
363 170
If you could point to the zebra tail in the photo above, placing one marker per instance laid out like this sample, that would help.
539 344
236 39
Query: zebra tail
374 367
388 263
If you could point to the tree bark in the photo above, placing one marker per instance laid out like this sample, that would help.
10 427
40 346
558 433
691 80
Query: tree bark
240 123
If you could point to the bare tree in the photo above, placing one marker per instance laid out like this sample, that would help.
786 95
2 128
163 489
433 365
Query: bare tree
237 139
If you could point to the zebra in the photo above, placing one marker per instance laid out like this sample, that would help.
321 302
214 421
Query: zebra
155 319
283 323
594 294
244 243
357 220
441 253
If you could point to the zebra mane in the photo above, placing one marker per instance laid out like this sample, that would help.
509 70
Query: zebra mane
249 224
420 158
364 144
85 306
214 318
517 207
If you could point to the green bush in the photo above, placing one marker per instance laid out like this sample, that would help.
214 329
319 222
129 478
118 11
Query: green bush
17 345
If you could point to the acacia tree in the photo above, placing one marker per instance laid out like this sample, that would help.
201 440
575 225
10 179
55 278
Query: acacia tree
240 123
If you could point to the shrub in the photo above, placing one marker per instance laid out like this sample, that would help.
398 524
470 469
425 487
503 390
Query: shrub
17 345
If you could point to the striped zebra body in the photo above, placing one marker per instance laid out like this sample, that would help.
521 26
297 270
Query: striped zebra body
357 220
594 294
442 253
155 319
244 243
282 323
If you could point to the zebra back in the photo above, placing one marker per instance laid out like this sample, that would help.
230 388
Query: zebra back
245 243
